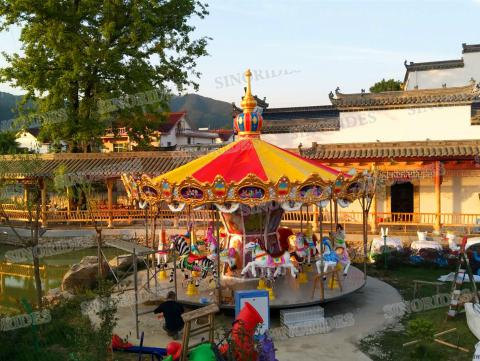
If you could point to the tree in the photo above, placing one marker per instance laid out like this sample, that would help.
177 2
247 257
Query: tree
79 55
8 143
386 86
31 203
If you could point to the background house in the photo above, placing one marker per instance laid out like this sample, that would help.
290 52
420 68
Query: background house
28 140
173 133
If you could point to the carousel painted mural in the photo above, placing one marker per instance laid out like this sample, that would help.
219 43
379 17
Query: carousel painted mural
247 187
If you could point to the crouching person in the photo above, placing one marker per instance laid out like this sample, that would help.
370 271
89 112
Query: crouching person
172 312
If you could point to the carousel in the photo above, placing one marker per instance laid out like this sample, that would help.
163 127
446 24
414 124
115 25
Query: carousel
246 188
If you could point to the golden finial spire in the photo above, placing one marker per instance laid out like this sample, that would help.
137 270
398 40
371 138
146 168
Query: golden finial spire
248 102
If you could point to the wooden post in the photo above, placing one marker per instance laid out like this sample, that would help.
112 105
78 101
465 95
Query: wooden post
373 220
43 194
26 193
438 204
110 202
68 204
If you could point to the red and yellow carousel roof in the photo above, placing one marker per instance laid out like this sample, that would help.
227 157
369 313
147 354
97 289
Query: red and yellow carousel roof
248 170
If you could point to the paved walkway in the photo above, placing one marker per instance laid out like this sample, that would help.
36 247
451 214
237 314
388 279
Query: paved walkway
340 344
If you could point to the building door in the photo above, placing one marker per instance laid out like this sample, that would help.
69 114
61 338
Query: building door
402 200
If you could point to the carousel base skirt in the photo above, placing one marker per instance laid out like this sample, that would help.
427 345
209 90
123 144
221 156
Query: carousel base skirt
288 291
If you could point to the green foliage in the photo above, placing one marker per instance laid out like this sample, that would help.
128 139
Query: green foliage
69 336
77 54
8 143
421 329
386 86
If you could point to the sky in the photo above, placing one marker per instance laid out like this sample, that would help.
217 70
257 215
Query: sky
300 50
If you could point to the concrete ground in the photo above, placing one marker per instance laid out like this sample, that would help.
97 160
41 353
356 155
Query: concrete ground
366 306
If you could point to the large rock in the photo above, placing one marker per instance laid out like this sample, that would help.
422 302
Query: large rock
81 276
55 295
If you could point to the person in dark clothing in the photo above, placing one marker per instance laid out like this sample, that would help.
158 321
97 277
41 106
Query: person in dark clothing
172 312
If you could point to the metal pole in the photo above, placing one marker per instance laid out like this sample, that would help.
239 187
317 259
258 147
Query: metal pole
175 272
218 280
331 216
135 285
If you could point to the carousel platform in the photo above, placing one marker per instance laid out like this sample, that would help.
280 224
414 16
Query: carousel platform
288 291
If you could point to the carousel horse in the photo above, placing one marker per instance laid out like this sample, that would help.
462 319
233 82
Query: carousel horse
229 258
162 254
329 257
263 260
343 258
211 243
190 261
304 246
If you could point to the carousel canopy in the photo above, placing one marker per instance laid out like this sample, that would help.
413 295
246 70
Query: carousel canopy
249 171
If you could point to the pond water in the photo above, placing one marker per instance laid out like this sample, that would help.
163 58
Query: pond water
17 280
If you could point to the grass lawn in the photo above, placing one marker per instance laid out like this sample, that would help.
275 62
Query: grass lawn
387 345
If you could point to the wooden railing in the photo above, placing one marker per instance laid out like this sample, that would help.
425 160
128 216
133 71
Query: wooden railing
181 219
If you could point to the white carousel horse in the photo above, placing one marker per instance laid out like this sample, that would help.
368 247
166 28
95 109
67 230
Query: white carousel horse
329 257
263 260
304 247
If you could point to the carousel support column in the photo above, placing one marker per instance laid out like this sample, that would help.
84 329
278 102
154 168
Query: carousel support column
218 280
315 210
331 216
335 209
110 201
43 196
438 204
373 219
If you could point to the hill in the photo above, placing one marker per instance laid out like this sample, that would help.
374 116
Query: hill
202 111
7 103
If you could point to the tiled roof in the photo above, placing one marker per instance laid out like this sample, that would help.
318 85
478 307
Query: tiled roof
464 149
301 125
170 122
224 134
301 119
470 48
406 99
434 65
92 165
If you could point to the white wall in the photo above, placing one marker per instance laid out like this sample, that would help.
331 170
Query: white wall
28 141
458 195
414 124
429 79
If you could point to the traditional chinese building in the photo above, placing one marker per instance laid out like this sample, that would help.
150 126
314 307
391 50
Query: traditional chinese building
424 140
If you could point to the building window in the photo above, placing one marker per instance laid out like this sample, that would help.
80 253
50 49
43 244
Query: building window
189 140
120 147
